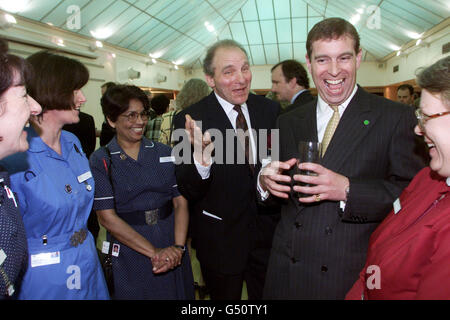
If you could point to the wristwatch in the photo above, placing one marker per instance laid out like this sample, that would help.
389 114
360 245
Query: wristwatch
179 246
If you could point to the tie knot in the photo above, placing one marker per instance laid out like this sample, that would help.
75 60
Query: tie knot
237 107
335 107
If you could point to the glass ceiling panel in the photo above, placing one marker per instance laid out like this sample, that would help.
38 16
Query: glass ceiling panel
254 32
90 11
268 31
300 52
413 18
265 9
139 33
284 30
298 8
178 25
37 9
299 29
238 32
144 4
257 53
250 11
104 19
285 51
129 29
272 53
282 9
158 6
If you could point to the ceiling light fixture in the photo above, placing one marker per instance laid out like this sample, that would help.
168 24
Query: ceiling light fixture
102 33
6 21
99 44
354 19
14 6
398 53
418 41
209 26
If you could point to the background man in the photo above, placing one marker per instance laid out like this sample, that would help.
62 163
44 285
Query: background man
290 83
405 94
320 244
233 239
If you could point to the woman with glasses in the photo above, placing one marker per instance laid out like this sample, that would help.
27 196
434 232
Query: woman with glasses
55 188
137 201
409 253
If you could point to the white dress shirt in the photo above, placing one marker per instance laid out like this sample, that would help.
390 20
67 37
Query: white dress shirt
232 115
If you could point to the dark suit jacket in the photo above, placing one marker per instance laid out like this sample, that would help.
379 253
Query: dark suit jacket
318 250
85 132
302 98
223 243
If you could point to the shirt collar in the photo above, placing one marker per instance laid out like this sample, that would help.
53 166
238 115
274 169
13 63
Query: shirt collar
323 106
227 106
36 144
297 94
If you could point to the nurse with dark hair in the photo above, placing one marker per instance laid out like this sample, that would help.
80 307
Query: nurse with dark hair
16 106
55 188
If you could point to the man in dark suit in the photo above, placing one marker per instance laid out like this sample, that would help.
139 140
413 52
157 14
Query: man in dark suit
290 83
233 240
320 244
85 132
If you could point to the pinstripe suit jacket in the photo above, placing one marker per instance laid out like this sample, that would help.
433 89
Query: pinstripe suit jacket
318 250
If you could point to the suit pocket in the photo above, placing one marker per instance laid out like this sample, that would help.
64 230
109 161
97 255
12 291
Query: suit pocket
206 213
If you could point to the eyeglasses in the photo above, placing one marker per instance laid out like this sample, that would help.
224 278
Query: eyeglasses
133 116
423 118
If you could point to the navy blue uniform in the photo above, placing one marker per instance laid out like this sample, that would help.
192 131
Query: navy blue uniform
141 185
13 241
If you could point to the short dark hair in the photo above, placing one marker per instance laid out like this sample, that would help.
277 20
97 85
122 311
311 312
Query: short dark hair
436 79
160 103
11 65
294 69
108 85
331 28
227 43
406 86
58 78
116 100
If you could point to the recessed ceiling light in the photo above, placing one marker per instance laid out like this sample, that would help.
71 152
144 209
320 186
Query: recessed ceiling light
102 33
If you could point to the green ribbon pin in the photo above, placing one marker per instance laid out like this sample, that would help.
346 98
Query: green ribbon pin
366 122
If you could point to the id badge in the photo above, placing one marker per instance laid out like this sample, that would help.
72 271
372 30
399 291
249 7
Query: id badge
44 259
151 217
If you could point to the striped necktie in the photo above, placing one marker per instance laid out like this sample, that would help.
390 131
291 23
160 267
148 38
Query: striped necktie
331 127
241 123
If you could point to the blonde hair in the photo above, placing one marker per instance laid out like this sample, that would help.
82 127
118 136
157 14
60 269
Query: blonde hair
193 91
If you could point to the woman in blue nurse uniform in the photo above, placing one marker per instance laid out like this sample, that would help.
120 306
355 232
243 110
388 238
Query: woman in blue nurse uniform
56 190
137 201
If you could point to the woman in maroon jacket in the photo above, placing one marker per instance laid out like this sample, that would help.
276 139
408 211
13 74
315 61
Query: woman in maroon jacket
409 253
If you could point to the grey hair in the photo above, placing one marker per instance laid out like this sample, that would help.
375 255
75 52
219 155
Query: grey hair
207 63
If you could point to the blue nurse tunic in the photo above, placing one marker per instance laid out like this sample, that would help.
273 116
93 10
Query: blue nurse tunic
56 193
147 183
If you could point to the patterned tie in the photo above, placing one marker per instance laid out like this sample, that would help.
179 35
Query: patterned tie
331 127
242 124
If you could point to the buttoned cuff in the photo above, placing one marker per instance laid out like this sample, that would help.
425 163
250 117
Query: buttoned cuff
203 171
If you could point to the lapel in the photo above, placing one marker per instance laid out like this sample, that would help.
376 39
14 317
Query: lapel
305 120
357 120
215 116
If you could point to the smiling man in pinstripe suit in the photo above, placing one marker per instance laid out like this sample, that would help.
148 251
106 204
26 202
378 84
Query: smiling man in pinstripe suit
321 241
